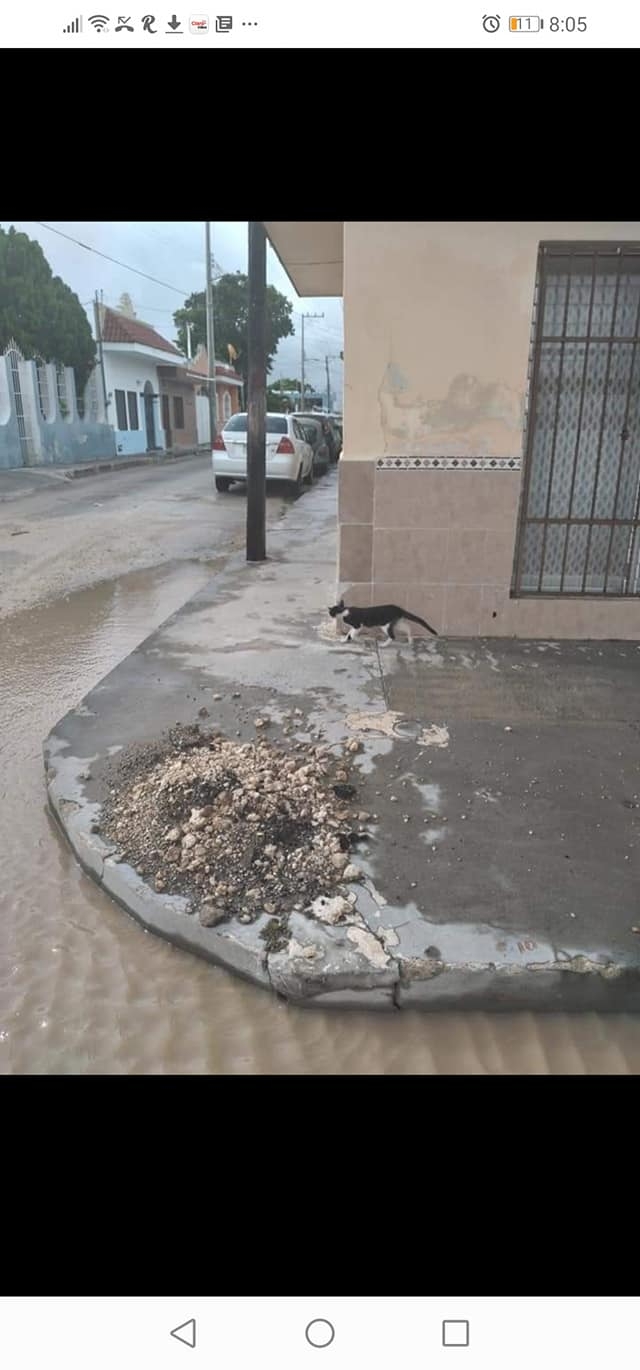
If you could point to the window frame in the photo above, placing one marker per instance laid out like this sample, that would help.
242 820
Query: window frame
134 423
591 250
124 413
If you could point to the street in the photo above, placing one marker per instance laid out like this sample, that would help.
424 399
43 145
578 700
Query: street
63 535
99 565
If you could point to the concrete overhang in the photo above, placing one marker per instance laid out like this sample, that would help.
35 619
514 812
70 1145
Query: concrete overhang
311 254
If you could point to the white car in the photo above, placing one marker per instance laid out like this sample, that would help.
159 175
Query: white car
288 456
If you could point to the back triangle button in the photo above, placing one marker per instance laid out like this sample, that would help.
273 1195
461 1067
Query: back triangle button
186 1332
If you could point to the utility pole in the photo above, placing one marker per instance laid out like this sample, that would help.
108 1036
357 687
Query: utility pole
98 322
303 317
188 327
257 399
211 349
326 362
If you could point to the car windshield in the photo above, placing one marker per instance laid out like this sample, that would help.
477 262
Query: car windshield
238 424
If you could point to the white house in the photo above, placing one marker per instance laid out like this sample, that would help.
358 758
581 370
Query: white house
132 353
228 392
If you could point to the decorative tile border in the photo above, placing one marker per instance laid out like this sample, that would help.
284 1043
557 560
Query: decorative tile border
448 463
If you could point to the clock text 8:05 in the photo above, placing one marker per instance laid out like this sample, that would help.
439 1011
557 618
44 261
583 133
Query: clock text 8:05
569 24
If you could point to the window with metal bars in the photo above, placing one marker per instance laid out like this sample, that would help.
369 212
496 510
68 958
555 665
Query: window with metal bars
121 411
43 387
61 388
579 525
132 406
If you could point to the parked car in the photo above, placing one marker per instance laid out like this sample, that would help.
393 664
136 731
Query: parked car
315 437
289 456
331 431
336 420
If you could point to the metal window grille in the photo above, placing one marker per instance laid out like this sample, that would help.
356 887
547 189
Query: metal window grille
121 411
15 358
61 387
579 525
43 387
132 405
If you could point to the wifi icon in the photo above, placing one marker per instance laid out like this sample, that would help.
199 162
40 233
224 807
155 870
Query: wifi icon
99 22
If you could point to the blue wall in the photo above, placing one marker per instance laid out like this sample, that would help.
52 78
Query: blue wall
56 442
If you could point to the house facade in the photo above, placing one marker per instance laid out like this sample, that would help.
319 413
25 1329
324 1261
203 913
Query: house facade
151 402
228 392
490 478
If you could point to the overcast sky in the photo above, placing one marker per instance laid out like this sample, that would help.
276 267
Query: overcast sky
174 254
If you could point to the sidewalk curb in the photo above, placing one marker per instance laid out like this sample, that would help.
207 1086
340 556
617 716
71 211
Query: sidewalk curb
99 468
127 463
563 983
362 962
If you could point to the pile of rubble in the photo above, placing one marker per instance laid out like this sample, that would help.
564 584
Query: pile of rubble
239 829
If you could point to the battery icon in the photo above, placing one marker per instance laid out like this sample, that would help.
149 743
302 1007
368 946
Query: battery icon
525 23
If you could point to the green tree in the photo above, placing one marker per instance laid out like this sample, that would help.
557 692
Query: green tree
230 314
43 314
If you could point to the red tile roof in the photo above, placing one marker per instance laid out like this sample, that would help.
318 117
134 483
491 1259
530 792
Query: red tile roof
117 328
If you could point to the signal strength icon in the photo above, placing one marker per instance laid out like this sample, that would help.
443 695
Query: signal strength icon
74 27
99 22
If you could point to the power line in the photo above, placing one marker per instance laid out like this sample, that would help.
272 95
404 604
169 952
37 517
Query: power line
115 261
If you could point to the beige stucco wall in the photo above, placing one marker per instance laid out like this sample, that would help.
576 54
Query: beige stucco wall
437 332
428 306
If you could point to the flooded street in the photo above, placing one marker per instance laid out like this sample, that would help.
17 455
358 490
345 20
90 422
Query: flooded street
83 989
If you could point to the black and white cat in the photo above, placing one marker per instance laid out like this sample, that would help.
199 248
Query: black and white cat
385 616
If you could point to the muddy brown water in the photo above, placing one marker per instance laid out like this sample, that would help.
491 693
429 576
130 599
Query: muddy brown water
84 990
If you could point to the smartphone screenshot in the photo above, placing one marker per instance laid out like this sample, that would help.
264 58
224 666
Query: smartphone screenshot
450 1333
284 24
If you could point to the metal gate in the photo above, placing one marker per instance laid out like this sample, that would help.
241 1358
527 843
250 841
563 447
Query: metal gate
15 359
580 510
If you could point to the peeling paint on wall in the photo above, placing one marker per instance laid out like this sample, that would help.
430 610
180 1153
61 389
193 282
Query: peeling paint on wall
474 416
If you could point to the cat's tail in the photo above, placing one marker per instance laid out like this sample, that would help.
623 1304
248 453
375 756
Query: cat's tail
414 619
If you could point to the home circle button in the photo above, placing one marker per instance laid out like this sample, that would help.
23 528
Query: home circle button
320 1332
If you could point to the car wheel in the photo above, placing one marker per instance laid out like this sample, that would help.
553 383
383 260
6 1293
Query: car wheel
310 476
222 484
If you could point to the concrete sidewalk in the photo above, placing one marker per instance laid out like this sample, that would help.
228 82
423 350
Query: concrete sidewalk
502 870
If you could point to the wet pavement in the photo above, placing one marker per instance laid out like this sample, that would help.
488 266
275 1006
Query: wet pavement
253 638
58 536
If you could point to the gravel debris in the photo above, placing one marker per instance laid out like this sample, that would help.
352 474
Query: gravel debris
239 829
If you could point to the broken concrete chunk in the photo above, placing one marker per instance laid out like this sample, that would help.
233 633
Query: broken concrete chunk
351 872
210 914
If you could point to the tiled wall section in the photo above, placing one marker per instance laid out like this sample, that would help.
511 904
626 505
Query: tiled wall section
441 543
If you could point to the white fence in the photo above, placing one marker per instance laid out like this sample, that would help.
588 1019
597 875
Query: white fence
42 420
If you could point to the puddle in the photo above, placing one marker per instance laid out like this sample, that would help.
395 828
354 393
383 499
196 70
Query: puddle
84 991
